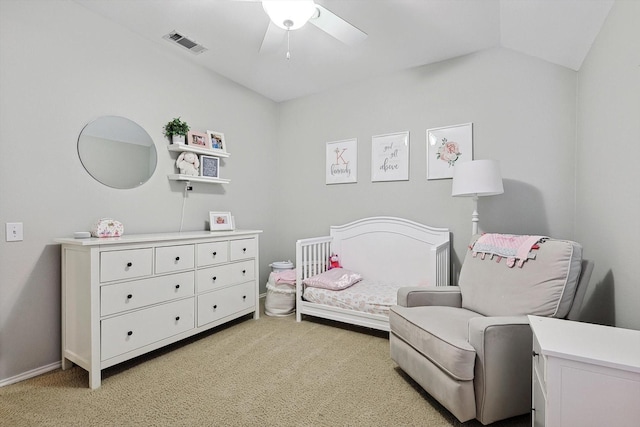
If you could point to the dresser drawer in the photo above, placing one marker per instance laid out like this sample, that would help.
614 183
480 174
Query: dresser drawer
125 264
242 249
174 258
130 331
225 302
139 293
213 253
225 275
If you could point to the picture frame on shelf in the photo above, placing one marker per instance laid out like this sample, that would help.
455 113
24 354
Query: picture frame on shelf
447 146
216 140
219 221
198 139
209 166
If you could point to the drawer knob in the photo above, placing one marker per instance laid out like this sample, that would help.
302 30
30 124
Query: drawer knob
215 253
244 297
177 258
215 306
244 271
129 264
214 278
177 286
129 296
244 249
534 354
177 318
129 333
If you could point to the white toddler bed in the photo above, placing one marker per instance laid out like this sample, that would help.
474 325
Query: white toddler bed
388 252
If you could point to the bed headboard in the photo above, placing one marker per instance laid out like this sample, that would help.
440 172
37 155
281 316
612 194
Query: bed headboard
388 249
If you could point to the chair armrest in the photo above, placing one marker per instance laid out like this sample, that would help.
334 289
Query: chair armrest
503 366
430 295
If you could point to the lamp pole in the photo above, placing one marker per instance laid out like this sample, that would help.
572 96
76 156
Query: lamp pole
475 217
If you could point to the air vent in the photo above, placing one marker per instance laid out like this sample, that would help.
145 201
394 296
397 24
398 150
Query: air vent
185 42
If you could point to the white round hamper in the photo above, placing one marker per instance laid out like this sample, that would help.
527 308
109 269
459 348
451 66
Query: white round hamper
281 297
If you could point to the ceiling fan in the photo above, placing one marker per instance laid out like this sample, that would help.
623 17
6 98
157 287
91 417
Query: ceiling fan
288 15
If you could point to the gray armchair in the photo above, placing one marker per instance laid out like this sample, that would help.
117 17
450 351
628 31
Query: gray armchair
469 346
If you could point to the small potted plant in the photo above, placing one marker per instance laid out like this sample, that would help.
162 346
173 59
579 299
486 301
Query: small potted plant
176 130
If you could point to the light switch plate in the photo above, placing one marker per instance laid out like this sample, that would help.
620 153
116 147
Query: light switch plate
14 232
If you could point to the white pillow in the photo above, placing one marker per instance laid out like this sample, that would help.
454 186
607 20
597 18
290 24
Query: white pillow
335 279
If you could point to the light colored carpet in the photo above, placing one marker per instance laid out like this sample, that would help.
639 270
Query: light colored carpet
269 372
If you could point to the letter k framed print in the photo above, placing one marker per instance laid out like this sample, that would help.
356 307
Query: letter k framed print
342 162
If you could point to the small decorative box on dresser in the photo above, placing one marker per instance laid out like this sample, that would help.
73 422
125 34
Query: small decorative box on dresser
125 296
584 375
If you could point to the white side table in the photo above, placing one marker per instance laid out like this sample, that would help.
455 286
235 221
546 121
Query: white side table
584 374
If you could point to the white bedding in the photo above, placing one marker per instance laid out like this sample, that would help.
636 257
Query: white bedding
365 296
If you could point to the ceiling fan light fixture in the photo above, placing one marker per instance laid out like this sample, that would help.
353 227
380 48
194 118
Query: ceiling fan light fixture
289 14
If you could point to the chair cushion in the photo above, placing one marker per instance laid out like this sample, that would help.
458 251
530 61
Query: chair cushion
439 334
544 286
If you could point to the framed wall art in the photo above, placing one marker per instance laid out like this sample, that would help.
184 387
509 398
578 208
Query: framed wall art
390 157
216 140
342 162
198 139
209 166
445 147
220 221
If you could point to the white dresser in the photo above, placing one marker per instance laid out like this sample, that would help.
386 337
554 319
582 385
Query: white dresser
584 375
125 296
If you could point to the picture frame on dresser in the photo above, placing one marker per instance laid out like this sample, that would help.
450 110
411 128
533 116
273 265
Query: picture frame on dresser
220 221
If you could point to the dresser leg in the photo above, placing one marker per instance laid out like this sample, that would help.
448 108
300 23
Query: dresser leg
94 379
66 363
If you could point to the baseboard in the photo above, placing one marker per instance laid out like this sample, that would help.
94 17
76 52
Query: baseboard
30 374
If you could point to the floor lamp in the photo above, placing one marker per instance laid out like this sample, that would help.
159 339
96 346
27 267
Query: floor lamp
476 178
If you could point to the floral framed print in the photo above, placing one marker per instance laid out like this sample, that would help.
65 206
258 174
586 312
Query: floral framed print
445 147
220 221
342 162
216 140
390 157
198 139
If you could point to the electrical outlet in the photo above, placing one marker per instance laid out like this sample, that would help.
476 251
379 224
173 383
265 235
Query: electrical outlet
14 232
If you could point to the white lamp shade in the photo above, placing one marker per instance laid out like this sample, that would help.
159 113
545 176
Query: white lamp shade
295 13
477 178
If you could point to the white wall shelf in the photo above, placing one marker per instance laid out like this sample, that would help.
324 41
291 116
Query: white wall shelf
178 148
193 178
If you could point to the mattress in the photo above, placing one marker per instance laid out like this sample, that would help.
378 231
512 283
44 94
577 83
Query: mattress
365 296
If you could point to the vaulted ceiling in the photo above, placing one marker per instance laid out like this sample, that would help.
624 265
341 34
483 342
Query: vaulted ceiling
401 34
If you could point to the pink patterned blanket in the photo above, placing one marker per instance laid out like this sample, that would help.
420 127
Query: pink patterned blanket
516 248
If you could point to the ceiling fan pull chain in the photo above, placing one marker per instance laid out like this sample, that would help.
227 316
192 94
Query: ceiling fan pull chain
288 52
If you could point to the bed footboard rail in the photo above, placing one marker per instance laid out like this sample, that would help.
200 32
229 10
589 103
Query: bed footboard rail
312 257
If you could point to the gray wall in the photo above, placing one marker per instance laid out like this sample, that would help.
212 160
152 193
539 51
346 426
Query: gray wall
608 198
61 67
523 114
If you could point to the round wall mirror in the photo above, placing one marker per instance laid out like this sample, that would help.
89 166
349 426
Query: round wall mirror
117 152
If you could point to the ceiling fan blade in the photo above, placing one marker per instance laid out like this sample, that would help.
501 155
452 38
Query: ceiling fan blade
337 27
273 39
